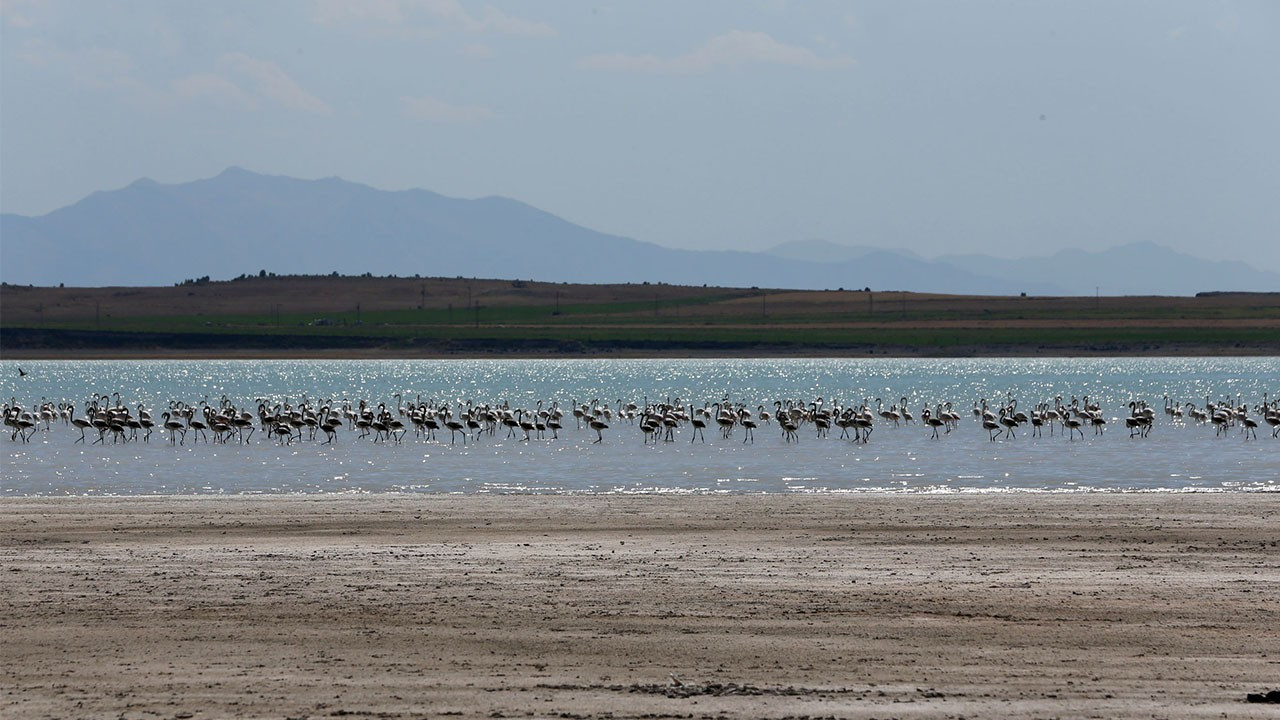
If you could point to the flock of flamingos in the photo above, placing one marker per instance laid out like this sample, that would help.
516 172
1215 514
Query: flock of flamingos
106 416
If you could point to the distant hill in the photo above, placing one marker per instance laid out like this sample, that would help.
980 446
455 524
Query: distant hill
1140 268
240 222
825 251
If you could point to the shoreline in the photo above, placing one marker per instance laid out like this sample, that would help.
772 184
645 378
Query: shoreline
356 495
1197 351
589 606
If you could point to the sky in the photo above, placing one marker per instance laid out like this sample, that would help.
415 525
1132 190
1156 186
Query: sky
1008 128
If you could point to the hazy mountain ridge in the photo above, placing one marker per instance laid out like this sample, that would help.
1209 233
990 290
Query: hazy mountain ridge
1138 268
239 222
825 251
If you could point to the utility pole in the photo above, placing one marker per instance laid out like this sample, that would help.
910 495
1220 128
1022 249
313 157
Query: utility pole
477 316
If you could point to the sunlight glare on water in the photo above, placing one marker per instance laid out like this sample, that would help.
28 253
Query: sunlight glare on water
1177 456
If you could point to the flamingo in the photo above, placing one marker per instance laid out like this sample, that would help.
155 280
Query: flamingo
527 426
1037 422
725 420
455 427
1073 426
699 424
24 426
1250 427
283 431
83 423
790 430
649 428
330 428
748 426
1009 424
1271 415
890 415
173 426
1137 422
598 425
992 427
198 425
845 422
863 424
933 422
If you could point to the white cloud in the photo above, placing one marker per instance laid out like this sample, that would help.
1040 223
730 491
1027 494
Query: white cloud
215 88
104 67
477 51
37 53
115 71
17 13
272 83
732 49
342 12
93 67
429 109
495 20
403 17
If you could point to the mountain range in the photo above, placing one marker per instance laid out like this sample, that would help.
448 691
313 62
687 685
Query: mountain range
241 222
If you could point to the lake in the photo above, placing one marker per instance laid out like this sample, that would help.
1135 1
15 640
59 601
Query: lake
1177 455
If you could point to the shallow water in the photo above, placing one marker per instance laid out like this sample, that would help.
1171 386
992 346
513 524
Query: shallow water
1177 456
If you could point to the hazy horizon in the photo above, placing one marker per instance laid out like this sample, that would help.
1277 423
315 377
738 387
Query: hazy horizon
1010 130
1027 253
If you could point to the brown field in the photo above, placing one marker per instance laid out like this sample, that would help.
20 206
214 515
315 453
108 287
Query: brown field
364 316
316 295
22 305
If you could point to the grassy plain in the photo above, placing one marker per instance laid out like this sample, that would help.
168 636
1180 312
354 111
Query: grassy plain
413 317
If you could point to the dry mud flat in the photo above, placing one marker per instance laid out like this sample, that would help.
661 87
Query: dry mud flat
640 607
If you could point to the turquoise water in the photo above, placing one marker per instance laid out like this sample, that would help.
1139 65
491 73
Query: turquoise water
1176 456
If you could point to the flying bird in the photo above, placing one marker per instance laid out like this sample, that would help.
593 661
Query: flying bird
22 373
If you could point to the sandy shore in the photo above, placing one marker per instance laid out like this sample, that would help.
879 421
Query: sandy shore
675 352
641 607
